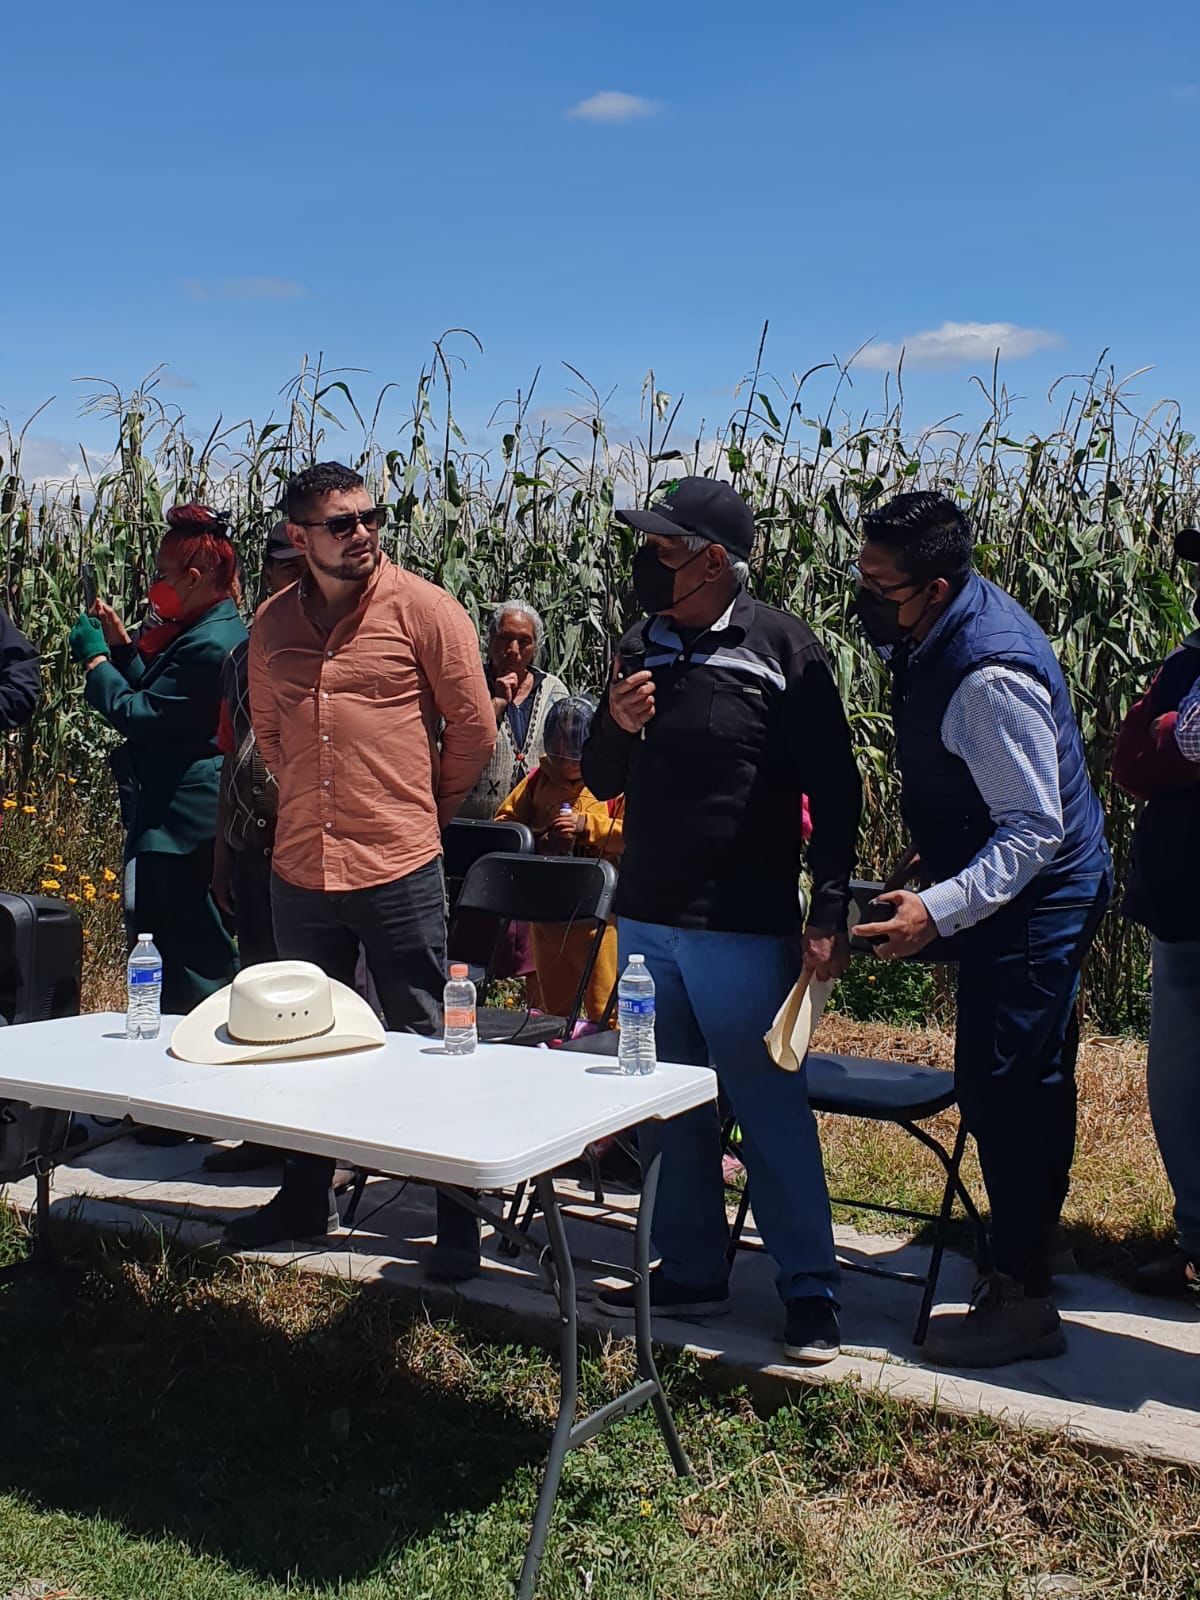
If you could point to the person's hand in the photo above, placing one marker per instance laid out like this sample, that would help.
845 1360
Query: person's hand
631 700
504 692
909 931
826 955
86 641
115 631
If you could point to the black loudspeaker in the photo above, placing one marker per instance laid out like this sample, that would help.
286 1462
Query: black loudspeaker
41 972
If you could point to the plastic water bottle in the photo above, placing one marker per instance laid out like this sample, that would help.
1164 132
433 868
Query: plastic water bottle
566 810
461 1035
143 1018
635 1017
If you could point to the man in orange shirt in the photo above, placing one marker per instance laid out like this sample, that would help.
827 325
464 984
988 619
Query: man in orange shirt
372 712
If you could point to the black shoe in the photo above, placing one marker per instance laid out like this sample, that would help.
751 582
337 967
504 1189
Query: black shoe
165 1138
1176 1274
244 1157
671 1299
448 1264
286 1217
812 1333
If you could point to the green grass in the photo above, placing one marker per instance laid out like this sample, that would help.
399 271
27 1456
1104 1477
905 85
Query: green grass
171 1429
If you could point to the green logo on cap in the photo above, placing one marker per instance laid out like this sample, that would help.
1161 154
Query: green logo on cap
663 494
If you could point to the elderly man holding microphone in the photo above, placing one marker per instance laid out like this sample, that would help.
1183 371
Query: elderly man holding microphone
727 716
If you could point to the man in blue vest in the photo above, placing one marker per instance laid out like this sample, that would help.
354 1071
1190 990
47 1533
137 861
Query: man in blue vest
1010 841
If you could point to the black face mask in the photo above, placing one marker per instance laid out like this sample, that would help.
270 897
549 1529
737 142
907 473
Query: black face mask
879 616
654 581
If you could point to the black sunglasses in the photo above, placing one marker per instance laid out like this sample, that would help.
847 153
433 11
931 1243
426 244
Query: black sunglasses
344 524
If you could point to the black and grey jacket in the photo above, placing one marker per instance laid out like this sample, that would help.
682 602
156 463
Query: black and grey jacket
747 721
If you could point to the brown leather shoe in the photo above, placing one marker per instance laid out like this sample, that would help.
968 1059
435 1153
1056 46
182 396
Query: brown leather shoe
1170 1276
1003 1324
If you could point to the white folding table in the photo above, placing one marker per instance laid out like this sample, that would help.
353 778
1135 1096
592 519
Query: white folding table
502 1116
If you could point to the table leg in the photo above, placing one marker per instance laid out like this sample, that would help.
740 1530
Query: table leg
642 1323
568 1322
567 1432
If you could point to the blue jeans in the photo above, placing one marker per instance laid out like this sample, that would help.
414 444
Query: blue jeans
716 996
1173 1078
1015 1046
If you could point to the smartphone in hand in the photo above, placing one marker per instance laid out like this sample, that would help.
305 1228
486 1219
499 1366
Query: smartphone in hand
87 581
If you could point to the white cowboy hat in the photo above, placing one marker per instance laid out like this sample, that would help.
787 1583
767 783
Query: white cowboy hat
277 1011
787 1039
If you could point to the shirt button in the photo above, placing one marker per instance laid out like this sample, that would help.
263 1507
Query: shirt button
329 655
324 694
328 826
262 822
324 738
325 782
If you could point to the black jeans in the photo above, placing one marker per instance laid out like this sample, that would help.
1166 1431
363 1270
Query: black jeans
1014 1061
252 906
402 927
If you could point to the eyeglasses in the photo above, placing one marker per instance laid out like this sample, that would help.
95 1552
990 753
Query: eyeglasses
344 524
880 589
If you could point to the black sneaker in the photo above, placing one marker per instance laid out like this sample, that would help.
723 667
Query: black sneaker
671 1299
812 1333
1175 1274
284 1218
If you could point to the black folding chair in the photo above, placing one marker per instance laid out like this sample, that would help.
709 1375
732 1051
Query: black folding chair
467 839
905 1095
549 890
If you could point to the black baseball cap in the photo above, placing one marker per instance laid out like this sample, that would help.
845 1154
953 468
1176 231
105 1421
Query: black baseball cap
279 545
1187 544
703 506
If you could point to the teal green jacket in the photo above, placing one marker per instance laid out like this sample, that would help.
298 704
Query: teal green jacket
169 768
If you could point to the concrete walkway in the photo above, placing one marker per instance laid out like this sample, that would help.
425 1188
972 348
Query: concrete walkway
1130 1379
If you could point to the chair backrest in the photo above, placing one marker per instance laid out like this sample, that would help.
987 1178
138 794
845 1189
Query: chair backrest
540 889
466 839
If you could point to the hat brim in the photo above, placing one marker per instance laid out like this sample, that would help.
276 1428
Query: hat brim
203 1037
787 1040
652 522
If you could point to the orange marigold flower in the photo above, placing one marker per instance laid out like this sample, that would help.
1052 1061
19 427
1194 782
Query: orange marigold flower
50 883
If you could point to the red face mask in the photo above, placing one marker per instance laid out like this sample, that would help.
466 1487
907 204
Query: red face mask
164 597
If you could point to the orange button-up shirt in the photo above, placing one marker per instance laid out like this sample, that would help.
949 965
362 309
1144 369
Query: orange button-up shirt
349 722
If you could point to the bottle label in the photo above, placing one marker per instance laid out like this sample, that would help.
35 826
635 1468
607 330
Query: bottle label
463 1017
142 977
641 1007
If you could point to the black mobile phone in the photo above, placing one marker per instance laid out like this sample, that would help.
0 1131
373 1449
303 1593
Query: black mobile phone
87 579
879 911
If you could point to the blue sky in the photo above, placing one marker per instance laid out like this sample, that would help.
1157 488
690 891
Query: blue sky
225 187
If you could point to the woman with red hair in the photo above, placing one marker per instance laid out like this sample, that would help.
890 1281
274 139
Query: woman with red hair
163 695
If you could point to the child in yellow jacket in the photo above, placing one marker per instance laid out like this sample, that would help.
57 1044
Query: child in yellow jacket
565 818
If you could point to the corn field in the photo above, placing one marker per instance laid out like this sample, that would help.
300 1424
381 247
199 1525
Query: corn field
1076 522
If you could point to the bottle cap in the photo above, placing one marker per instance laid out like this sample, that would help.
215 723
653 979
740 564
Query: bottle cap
459 969
145 938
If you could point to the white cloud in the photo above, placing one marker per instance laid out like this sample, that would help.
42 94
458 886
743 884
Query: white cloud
613 106
955 344
244 289
49 466
170 379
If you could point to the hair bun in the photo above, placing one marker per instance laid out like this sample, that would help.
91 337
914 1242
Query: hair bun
198 519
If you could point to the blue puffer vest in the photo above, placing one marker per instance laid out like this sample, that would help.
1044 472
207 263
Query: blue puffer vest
946 815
